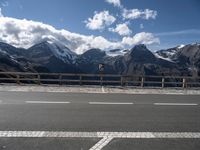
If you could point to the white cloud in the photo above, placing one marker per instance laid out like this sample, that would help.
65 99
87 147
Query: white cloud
116 3
100 20
136 14
25 33
121 29
141 38
1 15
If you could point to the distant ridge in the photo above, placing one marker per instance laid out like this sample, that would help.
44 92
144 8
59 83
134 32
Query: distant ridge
49 56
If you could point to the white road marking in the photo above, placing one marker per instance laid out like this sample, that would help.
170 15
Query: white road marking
141 135
102 143
106 136
109 103
102 88
176 104
46 102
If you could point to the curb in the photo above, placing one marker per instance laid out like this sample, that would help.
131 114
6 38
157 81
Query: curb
98 89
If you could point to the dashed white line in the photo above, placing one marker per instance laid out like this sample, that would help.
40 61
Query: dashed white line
109 103
46 102
176 104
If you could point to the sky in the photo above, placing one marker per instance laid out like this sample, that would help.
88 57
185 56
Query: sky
105 24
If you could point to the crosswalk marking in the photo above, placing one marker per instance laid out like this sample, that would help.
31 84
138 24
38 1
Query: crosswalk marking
106 136
102 143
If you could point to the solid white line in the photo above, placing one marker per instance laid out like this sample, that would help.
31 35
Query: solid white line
45 102
123 135
176 104
109 103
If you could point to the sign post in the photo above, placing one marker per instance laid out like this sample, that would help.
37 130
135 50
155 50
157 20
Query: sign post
101 71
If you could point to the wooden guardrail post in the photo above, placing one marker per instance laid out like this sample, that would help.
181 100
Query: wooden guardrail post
38 78
18 79
80 80
60 79
163 82
125 81
184 83
142 82
101 80
122 82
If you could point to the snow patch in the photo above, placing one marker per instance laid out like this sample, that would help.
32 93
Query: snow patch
6 54
181 46
3 52
117 53
171 53
160 57
62 52
167 53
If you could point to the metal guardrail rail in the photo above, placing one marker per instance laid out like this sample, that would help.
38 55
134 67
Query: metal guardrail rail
99 79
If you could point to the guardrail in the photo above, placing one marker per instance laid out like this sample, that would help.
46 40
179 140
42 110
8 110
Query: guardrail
99 79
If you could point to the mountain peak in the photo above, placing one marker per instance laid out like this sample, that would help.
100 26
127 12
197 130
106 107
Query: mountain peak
140 53
93 55
95 52
140 47
57 49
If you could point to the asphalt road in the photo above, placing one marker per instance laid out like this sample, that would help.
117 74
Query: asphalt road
68 112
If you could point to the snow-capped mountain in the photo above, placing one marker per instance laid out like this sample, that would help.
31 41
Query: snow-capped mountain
183 54
13 59
52 56
169 53
52 49
43 57
187 56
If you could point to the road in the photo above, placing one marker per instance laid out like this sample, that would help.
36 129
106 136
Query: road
99 121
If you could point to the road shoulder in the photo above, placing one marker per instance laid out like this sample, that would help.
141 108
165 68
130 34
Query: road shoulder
98 89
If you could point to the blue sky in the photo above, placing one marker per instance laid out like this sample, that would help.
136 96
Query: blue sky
175 22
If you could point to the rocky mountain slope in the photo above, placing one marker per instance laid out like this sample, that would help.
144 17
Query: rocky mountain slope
187 56
54 57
